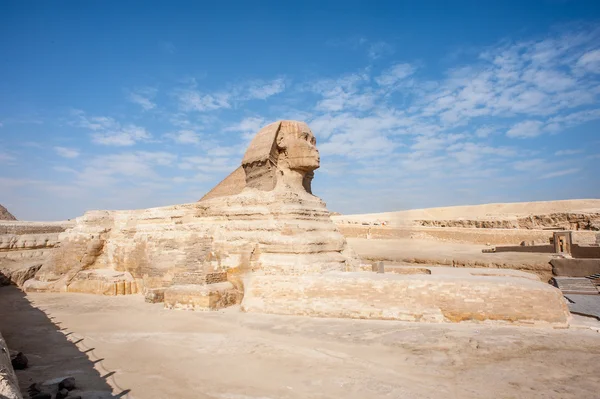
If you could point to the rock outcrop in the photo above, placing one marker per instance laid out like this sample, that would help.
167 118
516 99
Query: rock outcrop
5 214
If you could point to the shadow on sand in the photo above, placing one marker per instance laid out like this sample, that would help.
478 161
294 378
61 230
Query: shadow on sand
53 352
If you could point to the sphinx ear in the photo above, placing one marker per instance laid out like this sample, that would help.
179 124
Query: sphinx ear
281 142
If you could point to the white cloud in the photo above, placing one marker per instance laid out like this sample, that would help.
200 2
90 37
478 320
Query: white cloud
394 74
209 164
379 49
107 131
66 152
431 144
143 97
185 137
525 129
124 136
345 93
263 90
567 152
484 131
560 173
136 167
248 126
531 165
590 61
192 100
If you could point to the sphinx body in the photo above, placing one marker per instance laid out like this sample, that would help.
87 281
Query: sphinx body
269 222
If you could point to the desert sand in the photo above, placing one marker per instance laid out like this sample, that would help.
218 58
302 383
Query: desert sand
124 347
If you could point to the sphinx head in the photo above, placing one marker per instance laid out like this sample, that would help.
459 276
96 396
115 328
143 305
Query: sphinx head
297 147
284 155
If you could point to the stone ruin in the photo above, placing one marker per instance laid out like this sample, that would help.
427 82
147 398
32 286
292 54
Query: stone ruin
262 239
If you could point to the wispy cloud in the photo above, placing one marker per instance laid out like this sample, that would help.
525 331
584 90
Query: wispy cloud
108 131
525 129
379 49
395 74
262 90
560 173
143 97
192 99
184 137
66 152
561 153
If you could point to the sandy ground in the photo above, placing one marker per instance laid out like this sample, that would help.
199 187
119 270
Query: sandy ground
486 211
139 350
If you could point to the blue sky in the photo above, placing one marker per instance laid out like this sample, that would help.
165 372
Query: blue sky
122 105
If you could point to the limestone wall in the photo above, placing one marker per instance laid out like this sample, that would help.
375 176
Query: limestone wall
464 235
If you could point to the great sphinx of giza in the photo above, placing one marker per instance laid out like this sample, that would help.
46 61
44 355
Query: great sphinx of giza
268 222
262 239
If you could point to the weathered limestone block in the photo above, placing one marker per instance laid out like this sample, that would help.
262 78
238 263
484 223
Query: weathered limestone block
425 298
9 386
200 297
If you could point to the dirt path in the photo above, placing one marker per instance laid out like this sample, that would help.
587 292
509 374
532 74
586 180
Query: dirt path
148 352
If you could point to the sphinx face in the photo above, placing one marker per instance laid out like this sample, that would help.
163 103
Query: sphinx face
300 148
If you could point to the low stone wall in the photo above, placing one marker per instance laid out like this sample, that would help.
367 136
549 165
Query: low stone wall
424 298
9 386
584 251
463 235
566 267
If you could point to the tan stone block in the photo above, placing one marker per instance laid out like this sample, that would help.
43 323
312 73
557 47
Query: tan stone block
421 297
200 297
